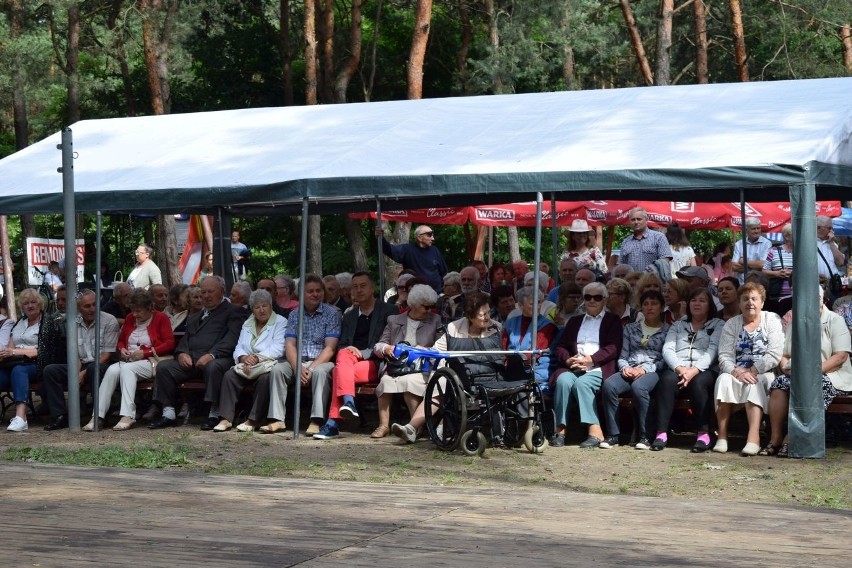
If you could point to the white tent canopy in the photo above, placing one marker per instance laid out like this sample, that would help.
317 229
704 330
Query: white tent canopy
644 140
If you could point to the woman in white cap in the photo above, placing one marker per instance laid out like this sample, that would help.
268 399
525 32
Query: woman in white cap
582 247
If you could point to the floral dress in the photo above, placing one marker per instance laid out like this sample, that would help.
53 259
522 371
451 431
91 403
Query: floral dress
590 258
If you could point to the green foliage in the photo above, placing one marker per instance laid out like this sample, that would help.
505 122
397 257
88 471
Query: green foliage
150 455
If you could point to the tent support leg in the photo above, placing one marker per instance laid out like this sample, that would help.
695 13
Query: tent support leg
300 323
806 416
96 387
379 249
554 238
68 210
743 232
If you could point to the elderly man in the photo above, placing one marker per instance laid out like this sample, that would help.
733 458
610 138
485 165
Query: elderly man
240 293
159 296
205 351
269 285
320 335
55 376
567 273
356 363
344 280
469 277
332 293
451 303
119 304
830 260
644 246
757 248
583 277
423 257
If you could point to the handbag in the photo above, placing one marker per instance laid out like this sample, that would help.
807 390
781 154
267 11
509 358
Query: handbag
776 284
835 283
156 360
14 360
264 365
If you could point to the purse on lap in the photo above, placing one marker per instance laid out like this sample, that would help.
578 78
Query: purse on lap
264 365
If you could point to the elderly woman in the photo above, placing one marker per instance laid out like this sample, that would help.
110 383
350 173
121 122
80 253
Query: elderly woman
567 304
518 336
476 331
261 339
778 266
419 327
586 352
836 378
726 291
618 301
145 274
639 364
193 300
690 355
749 349
145 332
451 302
676 293
23 348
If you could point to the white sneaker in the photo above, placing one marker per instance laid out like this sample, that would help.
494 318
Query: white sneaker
17 424
405 432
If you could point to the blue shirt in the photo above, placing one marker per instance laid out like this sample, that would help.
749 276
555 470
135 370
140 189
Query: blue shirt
317 327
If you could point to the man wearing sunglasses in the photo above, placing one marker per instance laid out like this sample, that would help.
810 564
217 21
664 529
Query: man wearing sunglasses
422 256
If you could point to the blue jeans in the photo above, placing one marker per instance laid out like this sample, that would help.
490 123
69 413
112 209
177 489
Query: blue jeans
19 378
641 389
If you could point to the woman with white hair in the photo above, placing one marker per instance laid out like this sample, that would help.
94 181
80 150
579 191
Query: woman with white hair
419 327
517 335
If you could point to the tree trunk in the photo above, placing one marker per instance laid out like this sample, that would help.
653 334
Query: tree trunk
466 41
494 40
72 71
481 237
354 59
846 39
8 284
514 244
417 55
568 75
167 256
400 233
664 43
19 100
327 26
740 56
121 57
149 9
352 230
286 54
163 50
701 70
314 245
636 42
310 53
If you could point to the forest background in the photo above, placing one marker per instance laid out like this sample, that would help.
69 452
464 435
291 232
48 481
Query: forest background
62 61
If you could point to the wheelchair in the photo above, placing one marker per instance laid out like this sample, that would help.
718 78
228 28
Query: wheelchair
503 408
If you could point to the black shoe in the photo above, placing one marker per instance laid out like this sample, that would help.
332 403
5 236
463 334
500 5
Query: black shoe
557 441
591 442
700 447
163 423
643 444
58 423
610 442
658 445
210 424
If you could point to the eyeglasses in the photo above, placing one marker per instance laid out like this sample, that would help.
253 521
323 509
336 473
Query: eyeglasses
595 297
426 234
141 252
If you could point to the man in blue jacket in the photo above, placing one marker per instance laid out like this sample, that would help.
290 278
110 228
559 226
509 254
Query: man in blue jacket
423 257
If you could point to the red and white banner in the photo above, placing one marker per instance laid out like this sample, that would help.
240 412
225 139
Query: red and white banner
41 252
190 259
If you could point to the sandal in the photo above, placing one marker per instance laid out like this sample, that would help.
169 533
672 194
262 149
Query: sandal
380 432
782 451
246 427
90 427
769 450
126 423
273 427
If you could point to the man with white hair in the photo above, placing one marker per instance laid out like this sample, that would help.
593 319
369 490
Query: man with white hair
757 248
332 293
644 246
469 277
830 260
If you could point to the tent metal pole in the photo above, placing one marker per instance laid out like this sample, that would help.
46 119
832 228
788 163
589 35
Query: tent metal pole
554 267
806 419
743 232
300 322
68 210
379 247
96 387
491 248
536 272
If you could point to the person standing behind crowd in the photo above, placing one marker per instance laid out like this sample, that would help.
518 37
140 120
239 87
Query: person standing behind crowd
644 246
757 249
830 260
682 253
145 274
778 266
423 257
241 255
582 248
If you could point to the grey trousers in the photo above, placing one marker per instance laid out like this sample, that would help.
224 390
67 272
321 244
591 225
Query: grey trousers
233 385
282 376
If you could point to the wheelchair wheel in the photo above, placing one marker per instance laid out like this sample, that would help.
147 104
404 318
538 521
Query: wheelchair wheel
446 417
534 439
473 443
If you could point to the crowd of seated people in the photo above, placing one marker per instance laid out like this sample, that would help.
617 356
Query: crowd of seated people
716 337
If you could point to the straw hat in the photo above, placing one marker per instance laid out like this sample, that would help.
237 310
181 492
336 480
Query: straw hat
579 226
